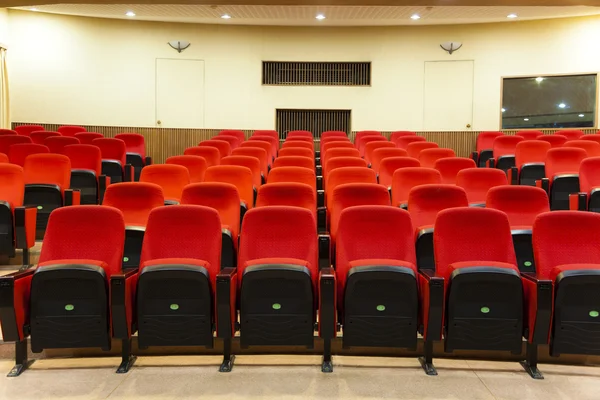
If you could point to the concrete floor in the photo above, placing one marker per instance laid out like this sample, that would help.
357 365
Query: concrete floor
294 377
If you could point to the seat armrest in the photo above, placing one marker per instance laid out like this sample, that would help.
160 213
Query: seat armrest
578 201
543 183
147 161
14 304
475 157
72 197
327 304
25 222
226 302
490 163
324 251
122 303
513 176
538 297
103 182
431 291
322 220
128 173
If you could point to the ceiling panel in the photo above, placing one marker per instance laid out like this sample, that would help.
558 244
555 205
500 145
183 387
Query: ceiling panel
305 15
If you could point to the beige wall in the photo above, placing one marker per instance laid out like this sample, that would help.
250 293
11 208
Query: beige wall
102 72
3 26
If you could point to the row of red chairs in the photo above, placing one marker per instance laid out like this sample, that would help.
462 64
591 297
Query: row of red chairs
474 297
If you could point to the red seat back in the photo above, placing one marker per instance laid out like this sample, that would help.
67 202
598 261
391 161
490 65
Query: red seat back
256 152
84 157
85 233
450 167
389 165
210 154
471 234
261 144
505 145
594 138
426 201
385 152
49 169
234 141
529 134
372 146
288 194
252 163
195 165
293 161
300 133
135 200
477 182
404 179
415 148
563 160
8 140
266 132
17 153
337 143
88 137
112 149
570 134
221 145
171 178
589 174
134 143
233 132
328 134
403 141
40 136
362 142
340 176
398 134
7 132
522 204
240 177
26 130
56 144
274 143
341 162
12 185
297 142
296 152
428 157
485 140
554 140
360 134
70 130
293 174
591 148
531 151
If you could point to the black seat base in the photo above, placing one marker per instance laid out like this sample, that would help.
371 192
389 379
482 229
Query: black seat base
46 198
174 304
424 250
69 308
562 187
484 310
524 250
381 307
87 184
134 238
277 306
7 235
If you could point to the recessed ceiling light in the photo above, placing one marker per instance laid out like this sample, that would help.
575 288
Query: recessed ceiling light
130 14
539 79
562 105
226 16
504 109
415 17
320 17
33 9
581 115
512 16
525 119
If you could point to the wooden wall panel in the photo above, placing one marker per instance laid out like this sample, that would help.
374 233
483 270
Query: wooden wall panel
163 142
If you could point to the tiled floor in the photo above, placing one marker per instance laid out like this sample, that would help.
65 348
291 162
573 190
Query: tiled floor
295 377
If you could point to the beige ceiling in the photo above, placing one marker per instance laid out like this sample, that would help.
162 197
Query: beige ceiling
305 15
15 3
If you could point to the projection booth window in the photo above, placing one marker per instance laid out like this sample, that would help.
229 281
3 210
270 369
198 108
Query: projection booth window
564 101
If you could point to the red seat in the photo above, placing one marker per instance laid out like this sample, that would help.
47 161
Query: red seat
3 158
266 146
380 154
8 140
293 174
589 183
326 140
258 153
40 136
171 178
293 161
530 156
593 138
252 163
485 145
354 194
240 177
428 157
266 132
47 178
361 134
88 137
296 152
298 143
404 179
18 222
403 141
477 182
135 147
67 298
504 149
372 146
451 166
562 175
591 148
398 134
26 130
554 140
570 134
300 139
290 194
56 144
179 266
335 143
529 134
376 277
522 204
195 165
389 165
234 141
328 134
476 290
415 148
7 132
300 133
17 153
210 154
135 200
340 162
114 159
86 172
566 245
424 204
221 145
70 130
274 143
224 198
340 176
362 142
233 132
336 153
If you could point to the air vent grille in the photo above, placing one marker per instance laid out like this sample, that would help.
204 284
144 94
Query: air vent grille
315 121
316 73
